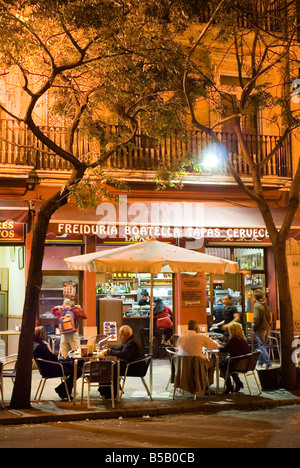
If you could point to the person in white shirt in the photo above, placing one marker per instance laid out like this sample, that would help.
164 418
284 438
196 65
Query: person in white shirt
192 343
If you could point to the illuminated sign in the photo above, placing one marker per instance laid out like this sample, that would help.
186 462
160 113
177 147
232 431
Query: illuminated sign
11 232
129 232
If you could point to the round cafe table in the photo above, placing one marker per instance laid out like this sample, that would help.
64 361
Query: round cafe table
9 333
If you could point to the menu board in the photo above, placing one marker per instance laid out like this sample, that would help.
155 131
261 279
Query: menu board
293 263
110 330
193 298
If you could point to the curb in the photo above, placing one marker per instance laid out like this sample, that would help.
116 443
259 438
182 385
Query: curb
211 407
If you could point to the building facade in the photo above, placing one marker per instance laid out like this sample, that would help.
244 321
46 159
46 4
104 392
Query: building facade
204 211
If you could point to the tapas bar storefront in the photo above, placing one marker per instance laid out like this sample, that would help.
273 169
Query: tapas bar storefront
230 232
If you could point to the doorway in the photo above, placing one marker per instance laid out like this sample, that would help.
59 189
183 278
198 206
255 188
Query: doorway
3 310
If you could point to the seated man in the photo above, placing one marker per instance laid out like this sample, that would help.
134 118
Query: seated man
192 343
129 351
41 350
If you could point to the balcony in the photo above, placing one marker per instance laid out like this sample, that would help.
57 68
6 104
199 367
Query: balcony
18 147
269 19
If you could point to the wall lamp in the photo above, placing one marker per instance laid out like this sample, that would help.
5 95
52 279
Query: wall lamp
32 180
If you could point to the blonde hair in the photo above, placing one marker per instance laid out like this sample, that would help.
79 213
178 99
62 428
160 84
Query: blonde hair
236 331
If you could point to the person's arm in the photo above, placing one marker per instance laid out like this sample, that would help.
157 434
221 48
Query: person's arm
57 311
226 348
43 352
236 318
256 318
209 343
126 353
220 324
79 313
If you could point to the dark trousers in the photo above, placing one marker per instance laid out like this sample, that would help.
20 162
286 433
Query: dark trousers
135 371
69 371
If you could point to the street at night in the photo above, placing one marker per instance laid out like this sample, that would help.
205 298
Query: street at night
276 428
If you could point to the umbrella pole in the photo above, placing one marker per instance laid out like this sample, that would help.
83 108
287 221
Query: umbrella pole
151 333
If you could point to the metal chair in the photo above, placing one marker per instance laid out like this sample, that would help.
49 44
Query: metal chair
191 364
272 345
245 365
98 374
9 373
131 371
145 338
44 378
171 351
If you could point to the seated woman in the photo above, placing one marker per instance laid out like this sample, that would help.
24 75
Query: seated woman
163 315
236 346
41 350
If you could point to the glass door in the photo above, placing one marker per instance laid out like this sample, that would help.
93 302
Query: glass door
3 310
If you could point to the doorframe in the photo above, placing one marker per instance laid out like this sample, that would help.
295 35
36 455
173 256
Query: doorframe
5 294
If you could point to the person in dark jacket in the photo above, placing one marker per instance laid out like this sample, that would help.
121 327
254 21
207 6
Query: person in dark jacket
41 350
230 315
129 351
262 326
145 299
236 346
219 311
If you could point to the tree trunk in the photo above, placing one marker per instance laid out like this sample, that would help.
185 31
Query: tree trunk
288 369
22 387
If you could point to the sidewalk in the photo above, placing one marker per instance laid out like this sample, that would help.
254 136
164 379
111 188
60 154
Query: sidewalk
136 403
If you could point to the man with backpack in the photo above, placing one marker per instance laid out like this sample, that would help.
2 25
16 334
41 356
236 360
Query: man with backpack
68 316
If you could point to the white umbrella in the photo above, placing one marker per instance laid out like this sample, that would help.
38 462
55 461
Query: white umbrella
152 257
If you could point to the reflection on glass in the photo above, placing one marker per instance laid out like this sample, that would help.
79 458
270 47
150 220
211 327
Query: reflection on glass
249 259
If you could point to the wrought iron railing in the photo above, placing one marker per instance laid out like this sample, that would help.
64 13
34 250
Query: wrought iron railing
268 17
18 146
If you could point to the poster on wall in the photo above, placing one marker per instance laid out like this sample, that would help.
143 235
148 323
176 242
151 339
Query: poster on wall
110 330
193 299
293 261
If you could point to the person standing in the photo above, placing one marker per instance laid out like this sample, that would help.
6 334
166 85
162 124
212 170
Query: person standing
230 315
262 326
68 315
145 299
219 311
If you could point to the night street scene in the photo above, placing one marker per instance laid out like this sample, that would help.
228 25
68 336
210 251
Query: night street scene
149 226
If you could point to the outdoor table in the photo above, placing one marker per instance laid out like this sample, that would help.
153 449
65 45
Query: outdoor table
215 352
10 333
53 339
95 357
217 355
213 335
